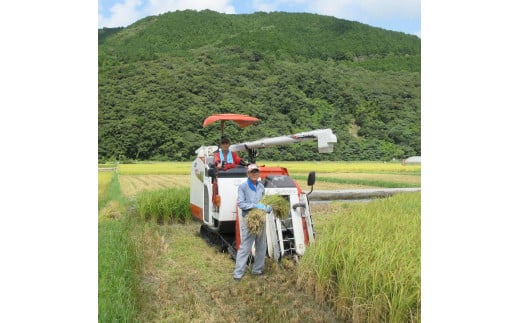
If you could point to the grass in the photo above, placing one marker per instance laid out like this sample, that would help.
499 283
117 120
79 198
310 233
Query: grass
118 280
366 263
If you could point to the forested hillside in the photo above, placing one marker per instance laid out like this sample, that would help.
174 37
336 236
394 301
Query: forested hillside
160 77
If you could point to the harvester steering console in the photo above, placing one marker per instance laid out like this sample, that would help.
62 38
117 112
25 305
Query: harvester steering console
311 180
251 154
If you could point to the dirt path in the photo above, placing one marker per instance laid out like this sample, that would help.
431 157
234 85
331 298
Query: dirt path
185 279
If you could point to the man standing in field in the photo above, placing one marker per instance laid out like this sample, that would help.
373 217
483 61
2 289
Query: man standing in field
249 194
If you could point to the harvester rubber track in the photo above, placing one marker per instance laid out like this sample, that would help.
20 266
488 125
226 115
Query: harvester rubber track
223 244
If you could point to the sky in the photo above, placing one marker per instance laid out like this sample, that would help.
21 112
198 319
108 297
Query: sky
397 15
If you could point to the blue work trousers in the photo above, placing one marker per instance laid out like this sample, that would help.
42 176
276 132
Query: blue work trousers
246 244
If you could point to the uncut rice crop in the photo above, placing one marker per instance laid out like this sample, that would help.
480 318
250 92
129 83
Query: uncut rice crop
344 167
366 261
183 168
164 206
104 180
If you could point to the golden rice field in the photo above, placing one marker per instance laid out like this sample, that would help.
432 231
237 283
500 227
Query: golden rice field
367 265
131 185
104 179
135 178
155 168
401 178
165 168
345 167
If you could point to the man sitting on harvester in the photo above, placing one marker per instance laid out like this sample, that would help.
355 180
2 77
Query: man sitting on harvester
225 158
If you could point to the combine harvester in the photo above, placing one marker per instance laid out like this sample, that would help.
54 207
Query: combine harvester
213 193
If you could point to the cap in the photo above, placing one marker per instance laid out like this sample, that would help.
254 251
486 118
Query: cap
252 167
225 140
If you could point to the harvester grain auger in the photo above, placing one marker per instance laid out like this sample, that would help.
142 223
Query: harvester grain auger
213 193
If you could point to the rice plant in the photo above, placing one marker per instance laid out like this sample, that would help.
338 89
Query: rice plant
256 218
164 206
255 221
366 261
163 168
356 181
183 168
279 204
345 167
104 181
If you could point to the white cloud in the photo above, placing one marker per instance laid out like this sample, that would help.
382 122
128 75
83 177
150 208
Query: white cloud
398 15
122 14
390 8
160 6
390 14
348 9
126 13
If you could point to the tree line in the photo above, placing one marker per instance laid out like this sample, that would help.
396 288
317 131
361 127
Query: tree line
162 76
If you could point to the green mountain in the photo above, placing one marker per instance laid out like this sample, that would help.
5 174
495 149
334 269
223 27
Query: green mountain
160 77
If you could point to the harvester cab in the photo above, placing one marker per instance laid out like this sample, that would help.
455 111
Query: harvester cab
213 193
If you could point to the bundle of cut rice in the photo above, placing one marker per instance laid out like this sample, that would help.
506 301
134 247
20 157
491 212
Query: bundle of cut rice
279 204
255 221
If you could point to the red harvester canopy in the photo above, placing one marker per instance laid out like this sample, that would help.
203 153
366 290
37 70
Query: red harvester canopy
241 119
